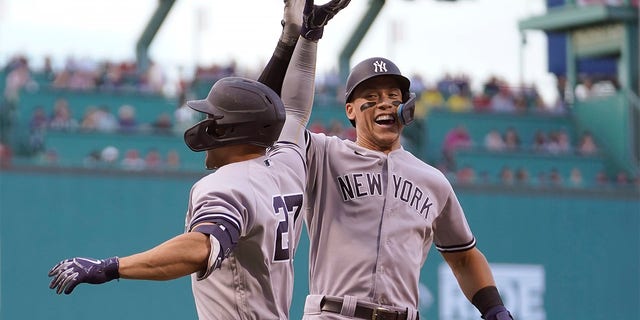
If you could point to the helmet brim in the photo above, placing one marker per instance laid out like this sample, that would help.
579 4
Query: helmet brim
200 105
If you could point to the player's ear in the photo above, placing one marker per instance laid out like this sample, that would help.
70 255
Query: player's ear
350 111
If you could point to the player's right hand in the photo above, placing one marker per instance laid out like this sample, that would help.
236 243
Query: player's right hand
71 272
316 17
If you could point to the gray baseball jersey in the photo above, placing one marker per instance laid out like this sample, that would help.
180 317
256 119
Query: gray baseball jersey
262 198
372 218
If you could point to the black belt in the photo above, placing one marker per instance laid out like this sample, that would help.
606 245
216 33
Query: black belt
362 311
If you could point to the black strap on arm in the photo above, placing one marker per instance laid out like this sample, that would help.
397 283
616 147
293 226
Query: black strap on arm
273 74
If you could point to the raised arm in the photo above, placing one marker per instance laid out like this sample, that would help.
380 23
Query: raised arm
299 81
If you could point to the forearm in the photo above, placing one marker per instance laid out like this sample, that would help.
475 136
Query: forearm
472 271
298 89
177 257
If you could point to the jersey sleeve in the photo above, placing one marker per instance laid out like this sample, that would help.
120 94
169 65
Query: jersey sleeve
451 229
217 210
298 91
216 207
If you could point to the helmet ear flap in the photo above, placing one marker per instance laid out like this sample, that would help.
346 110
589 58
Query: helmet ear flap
407 109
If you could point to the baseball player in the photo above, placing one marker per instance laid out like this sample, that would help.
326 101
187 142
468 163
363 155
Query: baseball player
373 210
243 220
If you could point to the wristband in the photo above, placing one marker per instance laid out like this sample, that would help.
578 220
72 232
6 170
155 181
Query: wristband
486 298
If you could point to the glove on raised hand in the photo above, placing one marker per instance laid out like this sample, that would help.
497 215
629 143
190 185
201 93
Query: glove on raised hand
498 313
316 17
71 272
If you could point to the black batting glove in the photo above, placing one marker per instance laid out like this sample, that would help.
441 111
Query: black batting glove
316 17
71 272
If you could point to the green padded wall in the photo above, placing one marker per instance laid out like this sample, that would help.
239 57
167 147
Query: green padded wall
610 120
561 254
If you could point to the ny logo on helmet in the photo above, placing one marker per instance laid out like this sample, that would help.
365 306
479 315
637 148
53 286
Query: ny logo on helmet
380 66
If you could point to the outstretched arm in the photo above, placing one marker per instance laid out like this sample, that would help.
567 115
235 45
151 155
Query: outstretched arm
299 82
177 257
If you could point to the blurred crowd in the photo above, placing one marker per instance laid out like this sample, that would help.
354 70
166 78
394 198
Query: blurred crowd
449 92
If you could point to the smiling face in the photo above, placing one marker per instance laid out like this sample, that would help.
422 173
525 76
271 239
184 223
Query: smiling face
374 107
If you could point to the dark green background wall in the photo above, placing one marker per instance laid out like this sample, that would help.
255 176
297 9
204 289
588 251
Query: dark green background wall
587 242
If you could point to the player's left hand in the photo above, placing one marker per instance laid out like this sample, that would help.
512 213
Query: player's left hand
71 272
316 17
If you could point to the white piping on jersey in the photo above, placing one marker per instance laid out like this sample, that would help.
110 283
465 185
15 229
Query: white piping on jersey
458 248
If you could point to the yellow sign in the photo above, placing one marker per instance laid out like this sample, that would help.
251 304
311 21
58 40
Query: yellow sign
597 40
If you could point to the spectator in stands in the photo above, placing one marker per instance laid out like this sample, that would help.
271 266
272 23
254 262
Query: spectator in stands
429 99
503 100
89 120
62 118
109 156
466 175
48 74
456 139
5 155
534 100
575 178
491 86
127 121
622 179
507 175
539 141
446 85
18 77
92 159
522 176
458 102
591 88
37 128
520 103
587 145
39 120
511 139
112 76
481 102
132 160
558 142
153 79
493 141
163 124
602 179
106 120
585 90
153 160
555 179
78 74
173 159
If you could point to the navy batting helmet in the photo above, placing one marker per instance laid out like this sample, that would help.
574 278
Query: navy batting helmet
375 67
240 111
